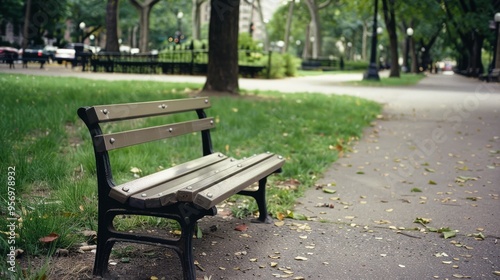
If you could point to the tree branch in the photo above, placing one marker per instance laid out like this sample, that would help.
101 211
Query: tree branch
324 4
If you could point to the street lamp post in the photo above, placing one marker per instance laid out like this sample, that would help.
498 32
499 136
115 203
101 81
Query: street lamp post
409 33
92 38
179 27
349 52
372 72
496 53
82 28
381 59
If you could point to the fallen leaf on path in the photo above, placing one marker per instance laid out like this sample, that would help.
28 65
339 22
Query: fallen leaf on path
49 238
463 179
460 276
330 191
299 258
279 224
242 227
431 182
421 220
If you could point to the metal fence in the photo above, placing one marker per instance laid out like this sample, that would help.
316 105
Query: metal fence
184 62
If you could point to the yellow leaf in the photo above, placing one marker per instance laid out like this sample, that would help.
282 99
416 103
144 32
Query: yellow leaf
279 224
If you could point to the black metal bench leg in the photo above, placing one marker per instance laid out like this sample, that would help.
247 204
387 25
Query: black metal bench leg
186 252
260 197
189 215
104 246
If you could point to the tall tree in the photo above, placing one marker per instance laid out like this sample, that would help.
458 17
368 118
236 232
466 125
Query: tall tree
195 14
315 25
27 17
92 12
288 25
466 21
112 26
41 19
144 9
222 72
390 23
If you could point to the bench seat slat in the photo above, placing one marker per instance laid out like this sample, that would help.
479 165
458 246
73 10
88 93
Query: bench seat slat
122 192
117 140
108 113
165 193
189 192
186 187
219 192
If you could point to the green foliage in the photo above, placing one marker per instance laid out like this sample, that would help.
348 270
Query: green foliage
291 65
356 65
278 66
246 42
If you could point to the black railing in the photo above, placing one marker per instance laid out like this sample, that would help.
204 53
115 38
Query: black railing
325 64
183 62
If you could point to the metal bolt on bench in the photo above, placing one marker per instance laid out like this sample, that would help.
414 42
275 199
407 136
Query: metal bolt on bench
186 192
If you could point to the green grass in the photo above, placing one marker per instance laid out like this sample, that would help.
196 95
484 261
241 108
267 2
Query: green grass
55 185
404 80
304 73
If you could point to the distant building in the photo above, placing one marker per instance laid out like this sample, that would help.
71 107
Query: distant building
9 34
248 15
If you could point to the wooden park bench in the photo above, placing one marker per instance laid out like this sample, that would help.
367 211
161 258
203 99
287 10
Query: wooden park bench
185 193
494 76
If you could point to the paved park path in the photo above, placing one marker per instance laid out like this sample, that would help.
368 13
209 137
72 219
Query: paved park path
434 154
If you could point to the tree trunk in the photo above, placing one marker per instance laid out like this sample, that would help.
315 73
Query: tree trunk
222 68
288 25
112 26
307 43
264 26
413 56
26 26
144 9
390 23
363 42
315 28
476 65
496 63
195 14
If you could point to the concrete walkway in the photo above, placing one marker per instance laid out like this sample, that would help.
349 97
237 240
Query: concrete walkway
434 154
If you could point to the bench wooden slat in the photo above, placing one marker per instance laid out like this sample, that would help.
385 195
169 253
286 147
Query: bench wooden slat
117 140
219 192
166 193
189 192
122 192
108 113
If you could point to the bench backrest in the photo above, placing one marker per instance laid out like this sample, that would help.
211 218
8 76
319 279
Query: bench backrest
96 115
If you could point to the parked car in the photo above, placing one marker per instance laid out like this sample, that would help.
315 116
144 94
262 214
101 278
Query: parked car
68 53
34 54
8 55
51 51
